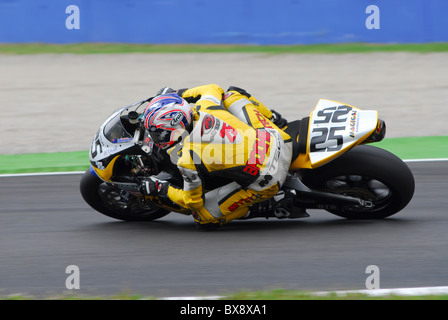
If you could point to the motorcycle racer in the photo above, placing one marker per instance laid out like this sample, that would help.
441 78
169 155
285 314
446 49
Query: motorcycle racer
226 134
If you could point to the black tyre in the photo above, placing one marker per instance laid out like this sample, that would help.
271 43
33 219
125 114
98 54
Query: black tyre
108 200
369 173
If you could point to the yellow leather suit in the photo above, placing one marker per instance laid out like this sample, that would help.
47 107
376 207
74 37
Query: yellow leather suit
232 137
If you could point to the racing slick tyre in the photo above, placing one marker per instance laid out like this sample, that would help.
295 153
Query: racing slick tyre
110 201
375 175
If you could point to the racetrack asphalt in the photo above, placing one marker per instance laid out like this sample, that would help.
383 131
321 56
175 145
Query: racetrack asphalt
46 226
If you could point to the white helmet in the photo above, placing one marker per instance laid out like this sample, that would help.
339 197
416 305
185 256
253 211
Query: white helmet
167 117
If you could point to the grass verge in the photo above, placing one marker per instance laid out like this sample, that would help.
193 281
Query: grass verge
44 162
417 147
278 294
96 48
405 148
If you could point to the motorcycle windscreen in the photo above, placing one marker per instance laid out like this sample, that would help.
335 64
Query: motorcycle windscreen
334 128
111 140
115 132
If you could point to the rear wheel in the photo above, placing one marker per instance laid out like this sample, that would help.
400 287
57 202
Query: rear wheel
113 202
378 177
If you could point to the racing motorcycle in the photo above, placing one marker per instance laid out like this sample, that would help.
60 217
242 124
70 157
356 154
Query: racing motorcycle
334 167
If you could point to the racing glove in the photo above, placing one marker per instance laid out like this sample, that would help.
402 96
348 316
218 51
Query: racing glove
154 187
165 90
180 92
191 99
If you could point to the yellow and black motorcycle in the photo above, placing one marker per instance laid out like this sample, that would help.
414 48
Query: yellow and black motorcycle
334 168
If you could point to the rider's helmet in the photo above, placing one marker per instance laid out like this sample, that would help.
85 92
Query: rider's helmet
167 117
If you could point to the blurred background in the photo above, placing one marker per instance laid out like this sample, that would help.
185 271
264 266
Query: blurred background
288 53
262 22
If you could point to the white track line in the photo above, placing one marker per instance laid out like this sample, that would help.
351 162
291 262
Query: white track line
40 174
419 291
426 160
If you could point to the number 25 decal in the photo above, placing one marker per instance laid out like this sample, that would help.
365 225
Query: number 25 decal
327 138
326 135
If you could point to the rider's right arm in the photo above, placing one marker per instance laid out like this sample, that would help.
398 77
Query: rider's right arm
190 196
210 94
189 199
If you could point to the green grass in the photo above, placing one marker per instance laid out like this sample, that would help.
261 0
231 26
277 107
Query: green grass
44 162
277 294
95 48
405 148
417 147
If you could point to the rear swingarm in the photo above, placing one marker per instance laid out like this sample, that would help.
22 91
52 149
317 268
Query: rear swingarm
313 199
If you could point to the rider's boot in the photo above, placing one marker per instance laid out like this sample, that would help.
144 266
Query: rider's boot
280 206
285 206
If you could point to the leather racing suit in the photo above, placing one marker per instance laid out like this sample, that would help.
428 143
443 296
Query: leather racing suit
233 138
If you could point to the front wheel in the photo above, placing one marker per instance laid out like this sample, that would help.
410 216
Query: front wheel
375 175
110 201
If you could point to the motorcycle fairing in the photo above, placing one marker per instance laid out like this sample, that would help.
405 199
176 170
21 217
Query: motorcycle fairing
111 141
333 128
